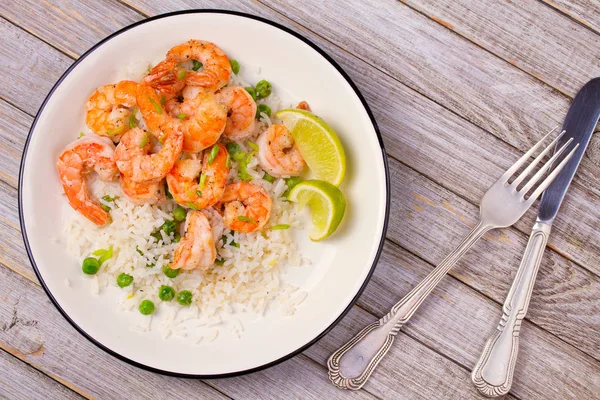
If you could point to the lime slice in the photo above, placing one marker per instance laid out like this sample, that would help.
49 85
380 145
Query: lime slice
327 205
318 143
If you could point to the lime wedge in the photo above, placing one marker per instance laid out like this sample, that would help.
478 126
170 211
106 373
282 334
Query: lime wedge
327 205
318 143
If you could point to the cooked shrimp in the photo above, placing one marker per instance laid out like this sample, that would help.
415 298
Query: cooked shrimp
303 106
165 77
202 117
278 154
246 207
91 153
109 108
133 158
199 183
197 248
143 193
241 112
215 71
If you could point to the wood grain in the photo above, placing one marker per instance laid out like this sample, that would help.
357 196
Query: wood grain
586 12
14 126
527 34
542 357
27 79
20 381
69 25
433 158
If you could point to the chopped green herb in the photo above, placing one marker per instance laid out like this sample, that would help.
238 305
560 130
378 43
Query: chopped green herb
235 66
219 261
233 148
181 116
198 193
269 178
111 132
202 181
81 134
213 154
192 206
157 108
132 119
280 227
139 251
181 74
176 238
253 146
167 193
105 207
197 65
228 161
144 140
103 254
163 100
108 198
244 218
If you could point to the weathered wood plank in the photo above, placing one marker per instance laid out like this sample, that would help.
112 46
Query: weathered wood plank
430 222
457 321
586 12
35 332
527 33
14 125
20 381
27 80
405 99
423 149
69 25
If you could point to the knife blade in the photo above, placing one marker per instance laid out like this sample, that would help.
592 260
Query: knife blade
493 373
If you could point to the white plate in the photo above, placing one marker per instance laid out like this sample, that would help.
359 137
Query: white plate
342 264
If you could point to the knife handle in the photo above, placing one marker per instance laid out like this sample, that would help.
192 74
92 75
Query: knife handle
493 373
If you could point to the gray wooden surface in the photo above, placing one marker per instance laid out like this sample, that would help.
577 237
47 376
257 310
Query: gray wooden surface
459 89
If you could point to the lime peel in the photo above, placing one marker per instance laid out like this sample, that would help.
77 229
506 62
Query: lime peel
327 205
318 143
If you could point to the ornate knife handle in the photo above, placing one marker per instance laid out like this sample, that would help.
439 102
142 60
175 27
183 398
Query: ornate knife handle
352 364
493 373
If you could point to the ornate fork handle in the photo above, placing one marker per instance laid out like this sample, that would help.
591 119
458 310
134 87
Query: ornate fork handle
493 373
351 365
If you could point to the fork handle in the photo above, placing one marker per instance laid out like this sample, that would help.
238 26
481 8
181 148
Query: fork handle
352 364
493 373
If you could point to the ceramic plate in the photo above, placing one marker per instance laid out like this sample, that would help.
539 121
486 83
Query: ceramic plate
341 265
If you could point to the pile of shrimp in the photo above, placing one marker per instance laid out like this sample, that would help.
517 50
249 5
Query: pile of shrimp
179 149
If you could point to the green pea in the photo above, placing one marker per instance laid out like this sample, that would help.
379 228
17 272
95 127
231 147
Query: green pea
252 92
166 293
167 227
124 280
268 178
184 298
170 272
146 307
263 108
263 89
90 266
197 66
235 66
233 148
179 214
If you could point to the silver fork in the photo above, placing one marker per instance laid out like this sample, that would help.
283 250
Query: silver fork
502 205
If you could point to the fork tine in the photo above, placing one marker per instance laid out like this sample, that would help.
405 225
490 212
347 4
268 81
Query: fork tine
535 162
515 167
551 177
544 168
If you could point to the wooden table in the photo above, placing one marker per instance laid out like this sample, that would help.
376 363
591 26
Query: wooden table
460 88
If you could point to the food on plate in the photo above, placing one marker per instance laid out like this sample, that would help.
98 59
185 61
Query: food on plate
188 188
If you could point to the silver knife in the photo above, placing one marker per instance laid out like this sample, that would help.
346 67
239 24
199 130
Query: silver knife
493 373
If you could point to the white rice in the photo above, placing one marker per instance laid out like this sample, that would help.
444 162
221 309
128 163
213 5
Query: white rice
249 280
